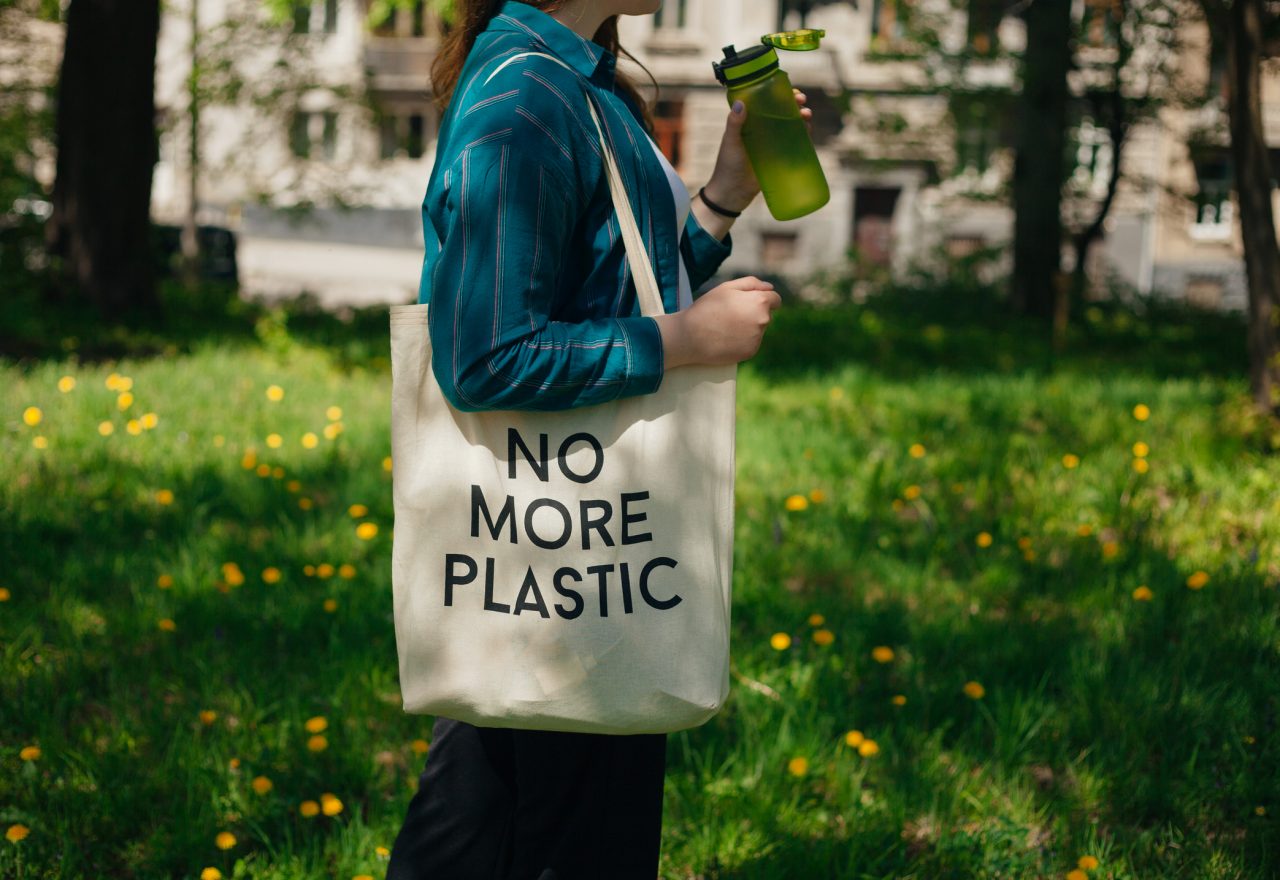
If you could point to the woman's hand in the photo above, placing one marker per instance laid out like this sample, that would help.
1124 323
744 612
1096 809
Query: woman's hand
733 184
723 326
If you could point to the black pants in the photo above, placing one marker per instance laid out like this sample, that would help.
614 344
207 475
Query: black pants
495 804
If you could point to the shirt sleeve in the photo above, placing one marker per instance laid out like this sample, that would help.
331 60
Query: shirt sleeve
510 216
703 252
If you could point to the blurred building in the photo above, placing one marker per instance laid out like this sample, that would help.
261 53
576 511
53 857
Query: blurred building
917 153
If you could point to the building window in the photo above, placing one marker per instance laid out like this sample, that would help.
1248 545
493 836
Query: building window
977 135
671 14
984 22
1100 24
1092 159
1214 210
400 22
403 135
326 11
309 130
668 130
873 209
777 250
887 29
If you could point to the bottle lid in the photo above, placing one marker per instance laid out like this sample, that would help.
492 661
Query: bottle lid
750 63
795 41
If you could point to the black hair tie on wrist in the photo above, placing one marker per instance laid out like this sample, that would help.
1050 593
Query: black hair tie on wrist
702 194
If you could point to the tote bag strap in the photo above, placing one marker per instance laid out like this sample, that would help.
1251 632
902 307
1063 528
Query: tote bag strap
646 285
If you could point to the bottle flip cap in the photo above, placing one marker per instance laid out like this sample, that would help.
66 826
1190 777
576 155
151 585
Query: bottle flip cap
756 61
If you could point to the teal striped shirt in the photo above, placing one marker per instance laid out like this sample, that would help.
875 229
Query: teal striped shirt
532 302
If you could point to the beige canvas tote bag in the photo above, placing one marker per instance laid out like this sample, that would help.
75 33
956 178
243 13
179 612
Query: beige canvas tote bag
565 570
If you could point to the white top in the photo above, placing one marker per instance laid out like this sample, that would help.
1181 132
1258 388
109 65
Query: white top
679 195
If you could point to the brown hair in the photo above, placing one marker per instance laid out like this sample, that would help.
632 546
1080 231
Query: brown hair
473 16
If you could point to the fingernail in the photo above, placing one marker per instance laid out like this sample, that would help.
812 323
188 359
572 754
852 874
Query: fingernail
737 106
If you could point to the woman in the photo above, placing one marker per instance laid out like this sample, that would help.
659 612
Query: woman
533 307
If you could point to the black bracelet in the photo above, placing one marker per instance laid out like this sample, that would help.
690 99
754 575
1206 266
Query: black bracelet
725 212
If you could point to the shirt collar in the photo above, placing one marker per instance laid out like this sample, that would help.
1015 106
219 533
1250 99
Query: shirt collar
588 58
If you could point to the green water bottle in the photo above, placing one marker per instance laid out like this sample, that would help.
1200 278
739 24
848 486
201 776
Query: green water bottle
774 134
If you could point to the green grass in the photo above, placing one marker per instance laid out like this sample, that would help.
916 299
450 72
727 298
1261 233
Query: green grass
1139 732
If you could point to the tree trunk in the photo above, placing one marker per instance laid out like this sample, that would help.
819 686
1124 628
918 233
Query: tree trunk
1038 168
1244 35
107 150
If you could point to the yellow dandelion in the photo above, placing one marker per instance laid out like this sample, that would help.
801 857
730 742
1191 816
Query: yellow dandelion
984 539
210 873
113 382
386 464
1143 593
277 472
346 571
124 400
293 486
882 654
796 503
4 594
250 460
310 440
316 724
911 493
1142 412
332 430
974 690
271 575
1087 863
1260 810
333 413
780 641
167 624
1029 555
309 570
234 763
106 429
1084 530
261 785
420 746
40 442
816 620
67 384
853 738
898 700
30 753
868 748
836 393
1141 465
224 840
362 877
317 743
366 531
1198 579
324 570
150 420
330 805
356 511
165 581
275 393
164 496
916 450
1140 449
898 504
382 852
798 766
208 716
275 441
134 427
32 416
817 496
1077 874
309 809
232 574
17 832
1070 461
1110 549
330 605
305 503
1024 543
263 470
823 637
